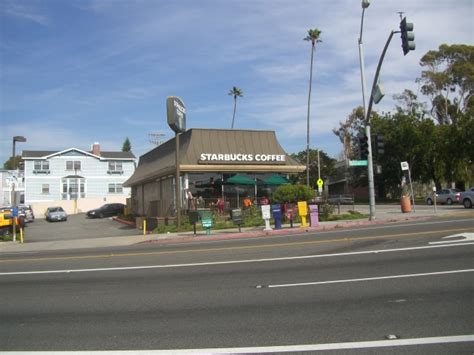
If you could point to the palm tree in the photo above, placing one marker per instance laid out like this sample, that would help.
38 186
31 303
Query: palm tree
236 92
313 36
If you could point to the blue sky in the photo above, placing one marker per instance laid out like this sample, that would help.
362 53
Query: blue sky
77 72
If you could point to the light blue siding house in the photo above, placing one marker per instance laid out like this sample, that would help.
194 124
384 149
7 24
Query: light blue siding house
75 174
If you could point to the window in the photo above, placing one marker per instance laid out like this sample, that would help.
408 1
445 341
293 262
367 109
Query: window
73 188
73 165
115 188
41 166
115 167
45 189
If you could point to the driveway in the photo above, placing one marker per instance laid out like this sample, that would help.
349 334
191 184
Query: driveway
76 227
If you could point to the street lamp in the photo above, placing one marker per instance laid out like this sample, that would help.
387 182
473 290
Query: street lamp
370 169
16 139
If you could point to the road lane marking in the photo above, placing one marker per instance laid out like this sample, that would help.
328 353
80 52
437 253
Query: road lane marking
277 349
371 278
248 247
230 262
465 237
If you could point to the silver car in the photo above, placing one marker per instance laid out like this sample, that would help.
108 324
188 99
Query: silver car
55 214
448 196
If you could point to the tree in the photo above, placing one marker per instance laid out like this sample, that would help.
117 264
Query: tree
327 166
127 146
13 163
448 81
313 37
235 92
349 130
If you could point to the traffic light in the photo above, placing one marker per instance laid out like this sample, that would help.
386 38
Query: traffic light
379 145
408 36
363 147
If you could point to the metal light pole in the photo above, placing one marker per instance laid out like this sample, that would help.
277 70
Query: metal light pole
308 116
17 139
370 169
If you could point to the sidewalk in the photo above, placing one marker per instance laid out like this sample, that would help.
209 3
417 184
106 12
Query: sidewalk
233 233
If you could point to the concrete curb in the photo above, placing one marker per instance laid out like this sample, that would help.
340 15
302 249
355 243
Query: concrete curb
176 238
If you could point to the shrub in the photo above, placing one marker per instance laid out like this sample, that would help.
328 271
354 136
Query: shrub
292 193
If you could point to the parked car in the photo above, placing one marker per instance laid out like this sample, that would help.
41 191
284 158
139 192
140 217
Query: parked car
448 196
467 198
27 212
55 214
107 210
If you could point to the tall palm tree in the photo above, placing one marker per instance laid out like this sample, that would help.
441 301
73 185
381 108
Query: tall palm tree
236 92
313 37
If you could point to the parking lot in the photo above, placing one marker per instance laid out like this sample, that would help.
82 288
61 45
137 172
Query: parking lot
76 227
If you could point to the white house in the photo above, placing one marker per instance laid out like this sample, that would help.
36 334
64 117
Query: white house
12 187
76 179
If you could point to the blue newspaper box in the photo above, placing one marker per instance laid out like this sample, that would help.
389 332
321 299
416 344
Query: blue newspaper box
277 215
313 215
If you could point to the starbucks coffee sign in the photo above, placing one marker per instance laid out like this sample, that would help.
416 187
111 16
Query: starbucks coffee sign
243 158
176 114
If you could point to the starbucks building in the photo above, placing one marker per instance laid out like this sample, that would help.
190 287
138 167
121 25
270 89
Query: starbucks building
229 164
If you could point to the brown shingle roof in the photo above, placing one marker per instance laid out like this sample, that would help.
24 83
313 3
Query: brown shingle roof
161 160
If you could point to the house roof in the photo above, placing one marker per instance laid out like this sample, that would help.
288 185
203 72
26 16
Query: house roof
43 154
193 143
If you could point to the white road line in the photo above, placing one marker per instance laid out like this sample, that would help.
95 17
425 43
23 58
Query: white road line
276 349
465 237
372 278
214 263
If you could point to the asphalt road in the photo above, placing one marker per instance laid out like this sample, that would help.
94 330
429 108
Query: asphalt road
357 286
76 227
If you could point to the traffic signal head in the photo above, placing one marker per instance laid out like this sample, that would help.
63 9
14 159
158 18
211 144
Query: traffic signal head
408 37
363 147
379 144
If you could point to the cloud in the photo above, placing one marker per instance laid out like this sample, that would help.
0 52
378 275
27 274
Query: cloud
24 11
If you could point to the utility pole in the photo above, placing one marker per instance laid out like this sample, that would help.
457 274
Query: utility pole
370 169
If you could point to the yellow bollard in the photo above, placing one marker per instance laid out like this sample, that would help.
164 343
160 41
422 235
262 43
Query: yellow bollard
144 226
21 235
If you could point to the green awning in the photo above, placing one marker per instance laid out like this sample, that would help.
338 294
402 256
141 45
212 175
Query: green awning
239 180
276 180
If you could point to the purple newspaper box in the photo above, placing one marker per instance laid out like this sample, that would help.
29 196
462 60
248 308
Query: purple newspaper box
313 215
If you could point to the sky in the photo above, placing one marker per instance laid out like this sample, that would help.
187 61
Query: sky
77 72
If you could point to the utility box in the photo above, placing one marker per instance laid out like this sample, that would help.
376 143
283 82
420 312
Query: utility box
277 215
314 215
237 217
290 213
303 212
206 221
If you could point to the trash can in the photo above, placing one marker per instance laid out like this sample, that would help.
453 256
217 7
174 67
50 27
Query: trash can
405 204
237 217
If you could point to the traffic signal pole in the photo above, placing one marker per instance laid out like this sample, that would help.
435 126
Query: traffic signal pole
370 166
370 169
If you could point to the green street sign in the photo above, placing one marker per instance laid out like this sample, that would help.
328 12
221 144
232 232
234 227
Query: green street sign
357 162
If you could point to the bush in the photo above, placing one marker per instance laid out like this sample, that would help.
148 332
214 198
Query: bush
292 193
252 217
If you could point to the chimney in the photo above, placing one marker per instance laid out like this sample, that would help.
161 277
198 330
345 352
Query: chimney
96 148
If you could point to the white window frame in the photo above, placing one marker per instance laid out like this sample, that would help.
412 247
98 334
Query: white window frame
45 189
115 188
75 165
